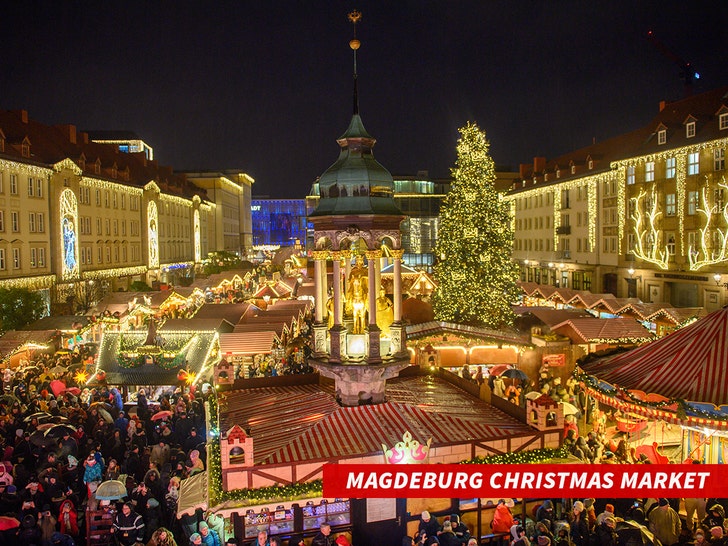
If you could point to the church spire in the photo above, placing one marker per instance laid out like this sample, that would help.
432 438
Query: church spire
354 44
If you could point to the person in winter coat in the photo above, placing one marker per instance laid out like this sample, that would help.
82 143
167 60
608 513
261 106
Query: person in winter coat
546 511
59 539
447 537
29 533
68 518
579 526
714 518
162 537
460 529
503 518
128 526
209 536
47 524
562 537
665 524
92 474
605 533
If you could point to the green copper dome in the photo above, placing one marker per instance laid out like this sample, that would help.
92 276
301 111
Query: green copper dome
357 183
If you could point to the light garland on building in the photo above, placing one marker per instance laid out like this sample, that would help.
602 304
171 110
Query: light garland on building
67 164
709 212
651 234
31 283
113 186
24 167
115 272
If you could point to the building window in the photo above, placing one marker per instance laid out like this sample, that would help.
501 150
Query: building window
670 204
123 201
98 198
114 200
692 202
650 171
16 258
2 182
33 254
693 163
39 187
31 187
98 226
41 222
630 174
13 184
718 197
661 136
2 220
671 244
106 199
108 255
31 222
723 121
670 167
719 159
15 221
41 257
108 226
2 259
100 255
690 129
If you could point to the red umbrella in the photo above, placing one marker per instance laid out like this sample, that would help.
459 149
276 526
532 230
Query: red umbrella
6 522
164 414
75 391
57 386
498 369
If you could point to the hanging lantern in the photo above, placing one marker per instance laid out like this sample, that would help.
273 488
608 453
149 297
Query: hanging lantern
101 375
182 375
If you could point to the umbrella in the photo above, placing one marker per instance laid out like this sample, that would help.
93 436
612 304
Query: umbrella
498 369
164 414
6 523
631 533
38 438
58 370
57 386
533 395
41 416
100 406
105 415
75 391
569 409
45 426
111 490
57 431
513 373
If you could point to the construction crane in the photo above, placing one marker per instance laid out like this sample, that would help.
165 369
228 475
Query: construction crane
687 73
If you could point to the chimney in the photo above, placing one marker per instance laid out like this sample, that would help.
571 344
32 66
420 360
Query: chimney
84 137
539 164
70 132
663 103
23 115
523 170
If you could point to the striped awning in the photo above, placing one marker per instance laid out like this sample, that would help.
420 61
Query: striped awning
690 364
247 343
304 422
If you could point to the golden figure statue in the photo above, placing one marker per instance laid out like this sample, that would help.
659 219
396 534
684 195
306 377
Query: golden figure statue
330 311
385 312
356 295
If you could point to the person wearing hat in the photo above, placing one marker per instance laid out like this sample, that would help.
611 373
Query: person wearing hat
47 523
428 524
502 517
579 525
128 526
665 523
446 536
209 536
195 539
608 512
700 539
459 528
605 532
543 529
714 517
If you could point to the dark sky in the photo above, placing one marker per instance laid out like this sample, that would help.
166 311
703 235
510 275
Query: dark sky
265 86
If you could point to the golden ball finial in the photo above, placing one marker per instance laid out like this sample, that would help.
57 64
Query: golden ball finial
354 44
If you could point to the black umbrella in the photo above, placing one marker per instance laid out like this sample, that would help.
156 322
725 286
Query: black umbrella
631 533
513 373
38 438
56 431
42 416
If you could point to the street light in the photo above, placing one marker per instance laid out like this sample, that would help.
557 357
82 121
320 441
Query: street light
717 278
631 274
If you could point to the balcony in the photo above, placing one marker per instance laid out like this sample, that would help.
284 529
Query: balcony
563 230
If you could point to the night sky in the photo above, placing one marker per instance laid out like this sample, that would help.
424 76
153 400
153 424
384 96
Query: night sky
266 86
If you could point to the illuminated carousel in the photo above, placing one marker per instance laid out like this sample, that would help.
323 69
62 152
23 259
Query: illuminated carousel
678 380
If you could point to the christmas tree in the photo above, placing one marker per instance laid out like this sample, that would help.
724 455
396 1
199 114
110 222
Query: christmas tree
476 277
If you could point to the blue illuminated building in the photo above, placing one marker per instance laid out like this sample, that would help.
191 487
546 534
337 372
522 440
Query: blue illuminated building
278 221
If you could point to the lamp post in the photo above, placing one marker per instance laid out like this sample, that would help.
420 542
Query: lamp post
717 278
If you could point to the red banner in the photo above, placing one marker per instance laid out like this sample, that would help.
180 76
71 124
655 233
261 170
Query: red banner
523 481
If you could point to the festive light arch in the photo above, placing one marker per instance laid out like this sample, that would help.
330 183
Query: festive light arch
153 231
69 235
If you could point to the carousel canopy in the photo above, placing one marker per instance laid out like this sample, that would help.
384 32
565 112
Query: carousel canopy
689 364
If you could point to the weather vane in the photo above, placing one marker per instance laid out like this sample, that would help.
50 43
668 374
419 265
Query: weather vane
354 44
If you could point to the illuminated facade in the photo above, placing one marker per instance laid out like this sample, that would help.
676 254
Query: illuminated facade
80 218
279 222
231 192
643 214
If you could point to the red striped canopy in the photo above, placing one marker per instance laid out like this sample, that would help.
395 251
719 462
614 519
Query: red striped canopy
690 364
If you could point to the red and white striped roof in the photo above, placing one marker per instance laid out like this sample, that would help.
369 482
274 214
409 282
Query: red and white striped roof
690 364
594 330
247 343
304 423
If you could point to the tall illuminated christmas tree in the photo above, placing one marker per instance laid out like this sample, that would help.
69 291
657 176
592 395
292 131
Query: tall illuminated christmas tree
476 277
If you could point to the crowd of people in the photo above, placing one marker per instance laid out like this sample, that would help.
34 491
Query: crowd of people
589 522
56 450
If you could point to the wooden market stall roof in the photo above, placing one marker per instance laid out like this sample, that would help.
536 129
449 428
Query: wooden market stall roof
603 331
551 316
689 364
63 323
231 312
247 343
17 340
197 325
311 426
280 329
435 327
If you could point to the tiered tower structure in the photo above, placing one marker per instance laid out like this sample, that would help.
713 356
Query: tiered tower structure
357 225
